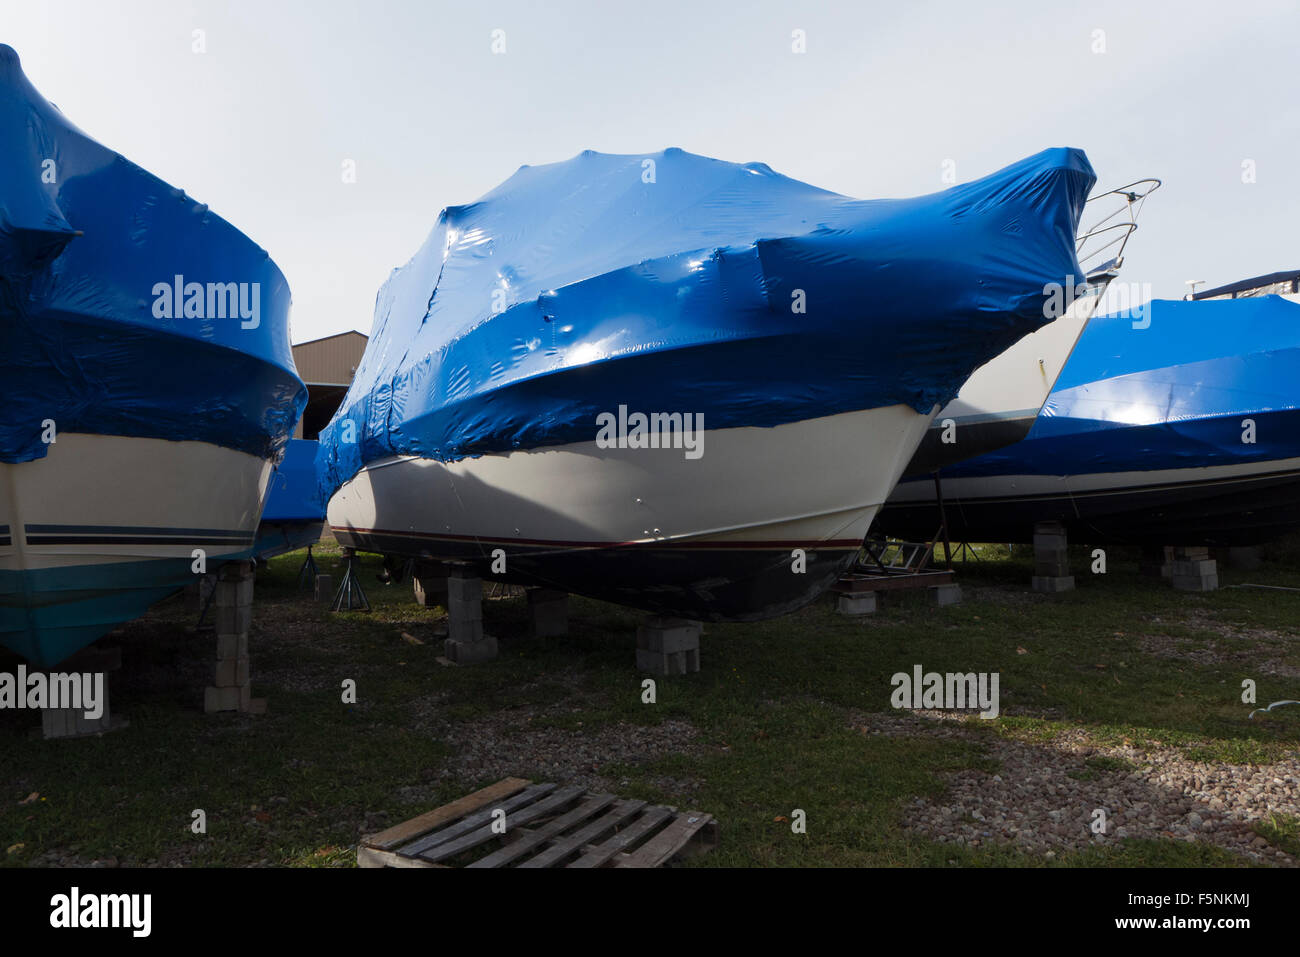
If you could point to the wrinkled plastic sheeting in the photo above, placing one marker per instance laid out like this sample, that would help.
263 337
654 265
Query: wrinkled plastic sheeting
292 496
1169 384
673 282
85 236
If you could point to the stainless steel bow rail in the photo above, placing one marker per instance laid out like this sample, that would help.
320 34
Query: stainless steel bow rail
515 823
1103 234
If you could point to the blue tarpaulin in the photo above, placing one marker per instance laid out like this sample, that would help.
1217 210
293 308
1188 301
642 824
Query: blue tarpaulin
127 308
1169 385
675 281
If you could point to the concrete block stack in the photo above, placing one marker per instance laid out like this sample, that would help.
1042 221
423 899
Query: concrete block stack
231 688
668 646
1194 570
466 643
1051 559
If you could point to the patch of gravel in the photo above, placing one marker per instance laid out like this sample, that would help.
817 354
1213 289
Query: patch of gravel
1251 643
1043 797
518 743
492 748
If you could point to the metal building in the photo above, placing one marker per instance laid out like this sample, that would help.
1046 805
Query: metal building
327 366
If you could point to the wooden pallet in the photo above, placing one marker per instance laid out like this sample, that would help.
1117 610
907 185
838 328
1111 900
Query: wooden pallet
855 583
545 826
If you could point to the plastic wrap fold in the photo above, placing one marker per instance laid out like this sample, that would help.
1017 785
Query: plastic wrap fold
675 282
126 308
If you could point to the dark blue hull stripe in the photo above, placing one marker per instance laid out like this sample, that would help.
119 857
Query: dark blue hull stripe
133 535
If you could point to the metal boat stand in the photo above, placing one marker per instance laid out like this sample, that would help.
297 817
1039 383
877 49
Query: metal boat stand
893 565
350 596
308 572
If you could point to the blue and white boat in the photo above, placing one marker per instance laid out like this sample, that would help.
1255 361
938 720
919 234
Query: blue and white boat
676 383
146 379
1174 424
294 517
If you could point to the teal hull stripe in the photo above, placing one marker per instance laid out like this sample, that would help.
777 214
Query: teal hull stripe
48 614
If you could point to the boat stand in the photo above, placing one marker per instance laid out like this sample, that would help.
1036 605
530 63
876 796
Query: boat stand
308 572
892 565
350 596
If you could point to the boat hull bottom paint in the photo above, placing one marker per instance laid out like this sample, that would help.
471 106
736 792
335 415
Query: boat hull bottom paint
760 524
280 538
1223 506
102 527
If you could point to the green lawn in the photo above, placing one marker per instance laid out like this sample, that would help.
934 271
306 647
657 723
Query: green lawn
772 723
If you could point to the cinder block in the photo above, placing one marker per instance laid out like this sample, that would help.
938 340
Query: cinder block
72 722
1196 582
232 646
464 590
56 722
84 725
668 663
1196 553
1194 569
256 706
233 620
221 699
237 571
1051 584
863 603
231 672
234 594
324 587
1049 533
465 631
471 652
948 594
464 610
668 635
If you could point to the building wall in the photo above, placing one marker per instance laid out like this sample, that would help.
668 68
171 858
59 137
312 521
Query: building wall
332 360
330 363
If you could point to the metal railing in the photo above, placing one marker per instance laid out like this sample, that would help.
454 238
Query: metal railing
1103 234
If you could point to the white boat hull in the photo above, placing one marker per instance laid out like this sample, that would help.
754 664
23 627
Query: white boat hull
1243 503
103 526
716 537
998 404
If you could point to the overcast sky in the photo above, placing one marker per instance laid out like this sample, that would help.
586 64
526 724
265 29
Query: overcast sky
259 125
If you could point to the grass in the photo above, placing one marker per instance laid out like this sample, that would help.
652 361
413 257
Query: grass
776 711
